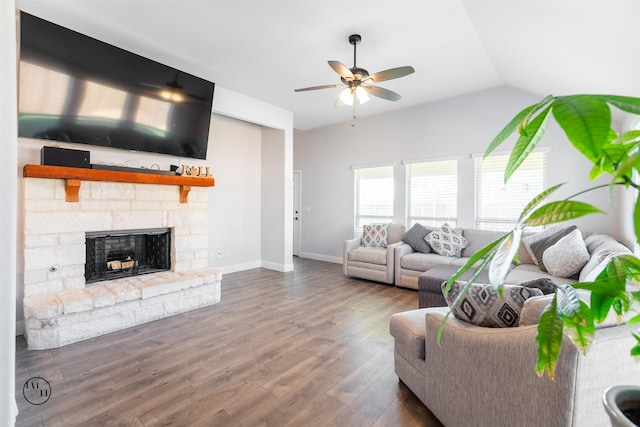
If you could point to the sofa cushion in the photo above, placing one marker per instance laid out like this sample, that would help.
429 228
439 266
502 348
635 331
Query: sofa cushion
423 262
601 247
369 255
525 272
415 238
539 242
533 308
447 241
483 306
374 236
478 239
567 256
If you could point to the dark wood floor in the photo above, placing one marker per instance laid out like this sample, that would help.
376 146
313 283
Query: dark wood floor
305 348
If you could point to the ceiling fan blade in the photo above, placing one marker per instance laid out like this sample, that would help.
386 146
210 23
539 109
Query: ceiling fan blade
381 93
317 87
392 73
341 69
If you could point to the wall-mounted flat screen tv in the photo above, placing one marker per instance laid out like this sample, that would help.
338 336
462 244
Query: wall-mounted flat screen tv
74 88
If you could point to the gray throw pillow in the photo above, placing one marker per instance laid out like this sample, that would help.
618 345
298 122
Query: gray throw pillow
546 285
538 247
482 306
415 238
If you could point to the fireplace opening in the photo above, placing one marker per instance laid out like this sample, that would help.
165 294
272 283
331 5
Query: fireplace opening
116 254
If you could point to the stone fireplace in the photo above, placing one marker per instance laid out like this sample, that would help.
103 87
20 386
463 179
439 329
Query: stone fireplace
66 300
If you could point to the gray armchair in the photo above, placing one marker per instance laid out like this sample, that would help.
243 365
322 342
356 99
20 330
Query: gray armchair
372 263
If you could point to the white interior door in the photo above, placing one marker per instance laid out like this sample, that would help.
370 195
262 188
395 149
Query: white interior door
297 210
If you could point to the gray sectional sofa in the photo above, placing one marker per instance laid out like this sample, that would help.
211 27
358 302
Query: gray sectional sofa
485 376
410 264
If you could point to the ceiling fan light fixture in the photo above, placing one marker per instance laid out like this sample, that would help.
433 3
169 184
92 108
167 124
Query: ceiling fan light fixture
346 96
362 95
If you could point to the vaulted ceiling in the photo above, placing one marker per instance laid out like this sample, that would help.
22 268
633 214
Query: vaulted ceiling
266 49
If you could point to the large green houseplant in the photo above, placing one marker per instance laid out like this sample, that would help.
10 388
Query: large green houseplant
586 121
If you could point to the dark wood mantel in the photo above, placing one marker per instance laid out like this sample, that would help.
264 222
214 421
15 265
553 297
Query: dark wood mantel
74 176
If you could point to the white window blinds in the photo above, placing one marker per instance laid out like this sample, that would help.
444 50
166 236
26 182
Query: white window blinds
432 193
498 205
373 196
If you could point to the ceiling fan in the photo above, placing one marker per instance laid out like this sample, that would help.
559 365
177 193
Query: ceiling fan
359 81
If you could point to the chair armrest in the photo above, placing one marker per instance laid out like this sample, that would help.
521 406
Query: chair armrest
350 245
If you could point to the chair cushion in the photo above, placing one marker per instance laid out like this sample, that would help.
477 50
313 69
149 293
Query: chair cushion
369 255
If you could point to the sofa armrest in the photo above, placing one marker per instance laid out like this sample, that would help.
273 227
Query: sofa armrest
403 249
487 367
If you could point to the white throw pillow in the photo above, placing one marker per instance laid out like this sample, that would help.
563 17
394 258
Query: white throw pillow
528 240
567 256
446 241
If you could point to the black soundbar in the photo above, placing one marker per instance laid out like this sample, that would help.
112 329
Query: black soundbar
130 169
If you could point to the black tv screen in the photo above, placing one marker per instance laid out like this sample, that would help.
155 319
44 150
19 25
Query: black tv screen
74 88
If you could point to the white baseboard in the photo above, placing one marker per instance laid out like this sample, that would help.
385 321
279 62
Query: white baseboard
238 267
19 327
283 268
321 257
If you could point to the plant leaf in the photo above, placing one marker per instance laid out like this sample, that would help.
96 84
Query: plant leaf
600 305
474 258
636 219
536 201
559 211
635 351
503 258
549 339
514 124
586 120
581 328
624 103
628 137
634 320
527 142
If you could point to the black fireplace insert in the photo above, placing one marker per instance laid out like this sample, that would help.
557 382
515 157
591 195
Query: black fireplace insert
123 253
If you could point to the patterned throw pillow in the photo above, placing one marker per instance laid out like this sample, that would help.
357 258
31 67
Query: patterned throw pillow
374 236
446 241
483 306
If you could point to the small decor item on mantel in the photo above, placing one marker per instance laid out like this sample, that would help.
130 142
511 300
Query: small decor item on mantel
202 171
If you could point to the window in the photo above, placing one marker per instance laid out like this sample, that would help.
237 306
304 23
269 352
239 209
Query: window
498 205
373 196
432 193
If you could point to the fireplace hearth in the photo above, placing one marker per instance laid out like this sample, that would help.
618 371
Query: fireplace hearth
116 254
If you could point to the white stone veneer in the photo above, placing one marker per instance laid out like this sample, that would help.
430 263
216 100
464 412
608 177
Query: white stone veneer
59 309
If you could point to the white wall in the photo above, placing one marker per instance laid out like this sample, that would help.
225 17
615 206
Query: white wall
8 213
235 215
455 127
